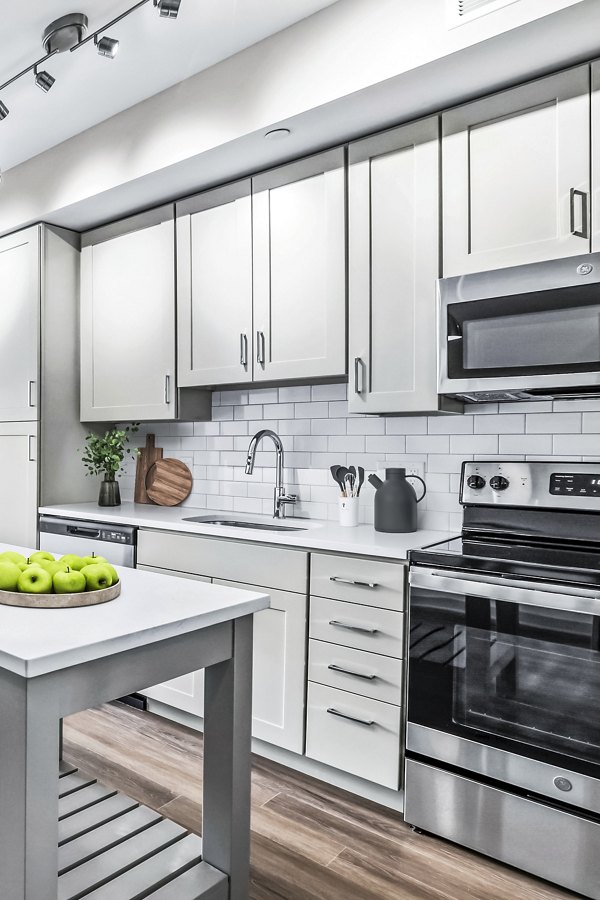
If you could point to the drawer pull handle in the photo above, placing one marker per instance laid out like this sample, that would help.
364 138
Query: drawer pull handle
335 668
364 629
367 584
335 712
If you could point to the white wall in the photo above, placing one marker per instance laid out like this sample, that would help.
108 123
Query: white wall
209 127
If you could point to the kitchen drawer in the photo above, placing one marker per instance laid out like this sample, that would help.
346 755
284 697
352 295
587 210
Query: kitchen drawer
356 734
271 567
367 581
367 674
362 627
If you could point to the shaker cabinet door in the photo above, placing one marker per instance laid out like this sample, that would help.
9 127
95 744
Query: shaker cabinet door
299 259
214 287
393 265
19 336
128 323
19 496
516 175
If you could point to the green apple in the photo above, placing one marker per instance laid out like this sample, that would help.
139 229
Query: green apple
69 582
13 556
56 566
113 572
92 560
40 556
97 577
9 575
72 561
35 580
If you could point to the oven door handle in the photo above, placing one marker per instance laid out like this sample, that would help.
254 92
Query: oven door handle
566 597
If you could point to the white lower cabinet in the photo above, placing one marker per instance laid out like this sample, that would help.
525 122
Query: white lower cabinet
279 671
368 674
19 501
354 733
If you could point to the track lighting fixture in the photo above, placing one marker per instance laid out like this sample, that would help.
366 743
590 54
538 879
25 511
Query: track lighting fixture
107 47
44 80
69 33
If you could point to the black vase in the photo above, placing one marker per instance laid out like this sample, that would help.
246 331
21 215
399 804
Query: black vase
109 493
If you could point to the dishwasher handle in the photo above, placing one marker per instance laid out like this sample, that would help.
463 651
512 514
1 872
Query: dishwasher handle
78 531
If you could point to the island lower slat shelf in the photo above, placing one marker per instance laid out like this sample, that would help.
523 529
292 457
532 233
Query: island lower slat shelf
114 848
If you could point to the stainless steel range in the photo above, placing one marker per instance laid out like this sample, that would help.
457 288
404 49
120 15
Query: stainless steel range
503 733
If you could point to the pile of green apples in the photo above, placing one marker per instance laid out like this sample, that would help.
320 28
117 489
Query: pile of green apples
42 573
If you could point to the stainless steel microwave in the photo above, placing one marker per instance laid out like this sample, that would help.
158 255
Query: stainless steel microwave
523 333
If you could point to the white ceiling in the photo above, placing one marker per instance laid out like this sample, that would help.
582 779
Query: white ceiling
154 54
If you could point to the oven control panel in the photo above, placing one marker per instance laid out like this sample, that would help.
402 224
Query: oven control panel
541 484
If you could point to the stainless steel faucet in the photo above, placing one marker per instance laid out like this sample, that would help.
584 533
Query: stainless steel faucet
280 498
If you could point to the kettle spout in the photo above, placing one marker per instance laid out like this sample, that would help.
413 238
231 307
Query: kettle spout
375 481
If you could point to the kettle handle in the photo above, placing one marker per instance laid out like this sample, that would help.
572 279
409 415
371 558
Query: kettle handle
418 478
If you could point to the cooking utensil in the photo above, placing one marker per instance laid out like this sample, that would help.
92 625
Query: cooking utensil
168 482
335 471
361 478
349 484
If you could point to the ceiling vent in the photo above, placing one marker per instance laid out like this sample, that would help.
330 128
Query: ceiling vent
462 11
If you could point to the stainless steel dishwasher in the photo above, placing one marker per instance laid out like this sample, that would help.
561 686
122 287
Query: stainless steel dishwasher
117 543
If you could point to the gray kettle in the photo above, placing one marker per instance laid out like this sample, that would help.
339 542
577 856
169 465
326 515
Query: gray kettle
396 502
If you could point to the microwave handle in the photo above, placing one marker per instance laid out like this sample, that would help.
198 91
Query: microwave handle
563 597
583 231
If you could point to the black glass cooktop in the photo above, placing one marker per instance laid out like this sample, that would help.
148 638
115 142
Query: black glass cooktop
518 557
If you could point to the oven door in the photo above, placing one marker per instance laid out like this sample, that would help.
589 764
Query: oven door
504 679
498 335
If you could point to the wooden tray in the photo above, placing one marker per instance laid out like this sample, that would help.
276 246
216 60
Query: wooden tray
60 601
169 482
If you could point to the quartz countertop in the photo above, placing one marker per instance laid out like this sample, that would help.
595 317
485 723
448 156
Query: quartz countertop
150 608
361 540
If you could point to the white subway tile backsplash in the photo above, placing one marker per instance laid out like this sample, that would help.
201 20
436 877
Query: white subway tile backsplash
318 432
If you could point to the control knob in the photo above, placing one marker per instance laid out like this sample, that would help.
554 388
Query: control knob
476 482
498 483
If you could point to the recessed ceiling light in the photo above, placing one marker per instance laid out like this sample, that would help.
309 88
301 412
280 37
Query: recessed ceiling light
107 47
277 134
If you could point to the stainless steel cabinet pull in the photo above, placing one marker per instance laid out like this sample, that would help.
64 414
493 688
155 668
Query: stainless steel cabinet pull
244 350
31 398
367 584
364 629
358 369
335 668
260 347
31 448
583 231
335 712
167 389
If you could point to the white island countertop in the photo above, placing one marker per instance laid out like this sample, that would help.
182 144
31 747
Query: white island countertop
150 608
362 540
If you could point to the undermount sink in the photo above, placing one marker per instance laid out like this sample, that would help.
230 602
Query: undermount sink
243 523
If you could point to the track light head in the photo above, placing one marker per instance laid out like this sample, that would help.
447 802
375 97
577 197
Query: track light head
3 110
107 47
44 80
168 9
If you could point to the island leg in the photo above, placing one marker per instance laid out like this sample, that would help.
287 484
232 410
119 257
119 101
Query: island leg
28 789
227 747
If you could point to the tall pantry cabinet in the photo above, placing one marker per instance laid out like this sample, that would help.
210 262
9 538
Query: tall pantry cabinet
39 358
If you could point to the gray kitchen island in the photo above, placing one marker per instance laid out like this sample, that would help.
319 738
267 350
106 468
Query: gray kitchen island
57 662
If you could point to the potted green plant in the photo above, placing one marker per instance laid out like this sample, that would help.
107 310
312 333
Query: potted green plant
104 455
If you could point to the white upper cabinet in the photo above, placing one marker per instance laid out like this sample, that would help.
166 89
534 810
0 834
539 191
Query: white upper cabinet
596 156
299 255
19 335
214 286
394 221
128 320
516 175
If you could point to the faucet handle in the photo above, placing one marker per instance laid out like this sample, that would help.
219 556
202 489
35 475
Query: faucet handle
288 498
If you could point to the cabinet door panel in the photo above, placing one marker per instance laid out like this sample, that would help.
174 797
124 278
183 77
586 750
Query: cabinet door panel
19 497
516 175
214 287
128 326
299 270
279 669
20 310
187 691
394 250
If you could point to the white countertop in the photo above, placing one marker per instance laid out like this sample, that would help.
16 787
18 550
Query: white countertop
150 608
362 540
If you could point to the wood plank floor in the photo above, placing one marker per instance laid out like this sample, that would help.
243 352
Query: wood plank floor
310 841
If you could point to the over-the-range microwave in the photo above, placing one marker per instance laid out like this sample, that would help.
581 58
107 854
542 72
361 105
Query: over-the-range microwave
522 333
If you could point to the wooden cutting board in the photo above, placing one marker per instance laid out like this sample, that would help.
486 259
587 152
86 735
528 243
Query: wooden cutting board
148 455
168 482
